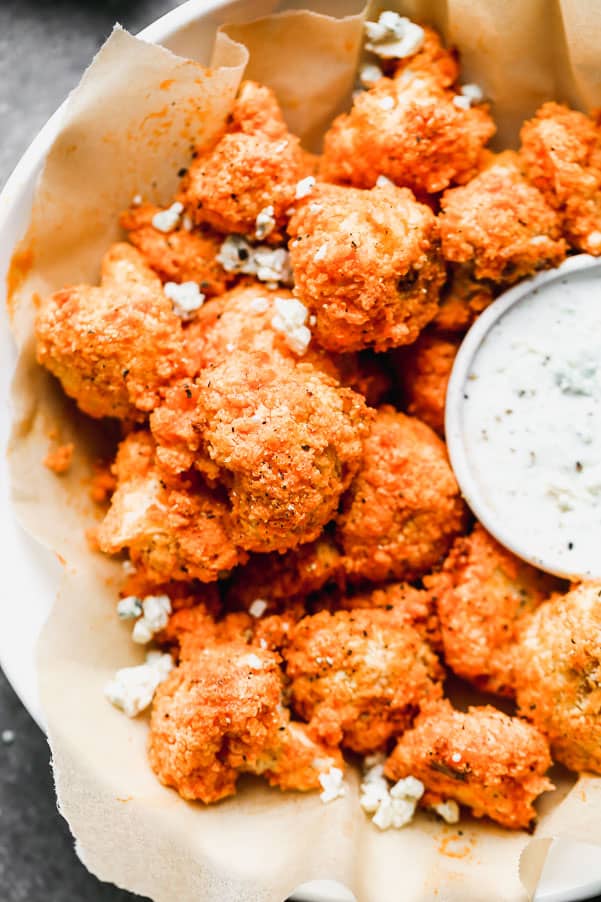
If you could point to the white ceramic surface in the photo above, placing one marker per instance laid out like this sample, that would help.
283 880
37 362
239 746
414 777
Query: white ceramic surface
31 573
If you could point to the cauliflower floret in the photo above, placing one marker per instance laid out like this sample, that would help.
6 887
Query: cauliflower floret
255 165
485 595
219 714
367 265
285 439
115 347
492 763
359 676
243 320
408 129
181 255
561 152
558 675
404 508
500 224
176 530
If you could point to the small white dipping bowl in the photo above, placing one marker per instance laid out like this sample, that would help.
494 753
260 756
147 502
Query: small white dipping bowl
538 519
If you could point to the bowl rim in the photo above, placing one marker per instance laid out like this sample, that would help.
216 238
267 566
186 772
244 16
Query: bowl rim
454 405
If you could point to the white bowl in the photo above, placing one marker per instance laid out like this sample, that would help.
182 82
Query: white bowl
31 573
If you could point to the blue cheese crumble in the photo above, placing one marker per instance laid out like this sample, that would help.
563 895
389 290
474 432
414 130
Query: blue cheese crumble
469 95
132 688
390 806
186 298
290 320
155 615
393 36
270 265
332 785
130 608
304 187
264 223
369 74
169 219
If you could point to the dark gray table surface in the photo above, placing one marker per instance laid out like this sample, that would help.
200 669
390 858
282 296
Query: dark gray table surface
44 48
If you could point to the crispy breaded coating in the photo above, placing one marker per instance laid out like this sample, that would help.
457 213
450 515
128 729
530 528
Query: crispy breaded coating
500 224
285 439
404 508
561 153
417 606
484 759
176 530
485 596
194 628
242 320
408 129
558 675
238 321
219 714
367 265
255 165
181 255
359 677
277 578
462 300
114 348
424 370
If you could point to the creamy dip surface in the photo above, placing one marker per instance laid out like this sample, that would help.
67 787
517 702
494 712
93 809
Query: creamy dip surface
532 424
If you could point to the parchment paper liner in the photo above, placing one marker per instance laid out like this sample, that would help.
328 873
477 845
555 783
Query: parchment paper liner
128 129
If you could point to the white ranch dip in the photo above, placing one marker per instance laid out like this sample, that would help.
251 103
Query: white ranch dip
532 423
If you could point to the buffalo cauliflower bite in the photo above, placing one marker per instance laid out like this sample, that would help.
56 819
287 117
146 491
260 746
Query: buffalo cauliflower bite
404 508
367 266
485 596
254 167
116 347
500 224
491 763
558 675
176 530
424 370
243 319
359 677
180 255
285 439
462 300
220 713
409 129
561 152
